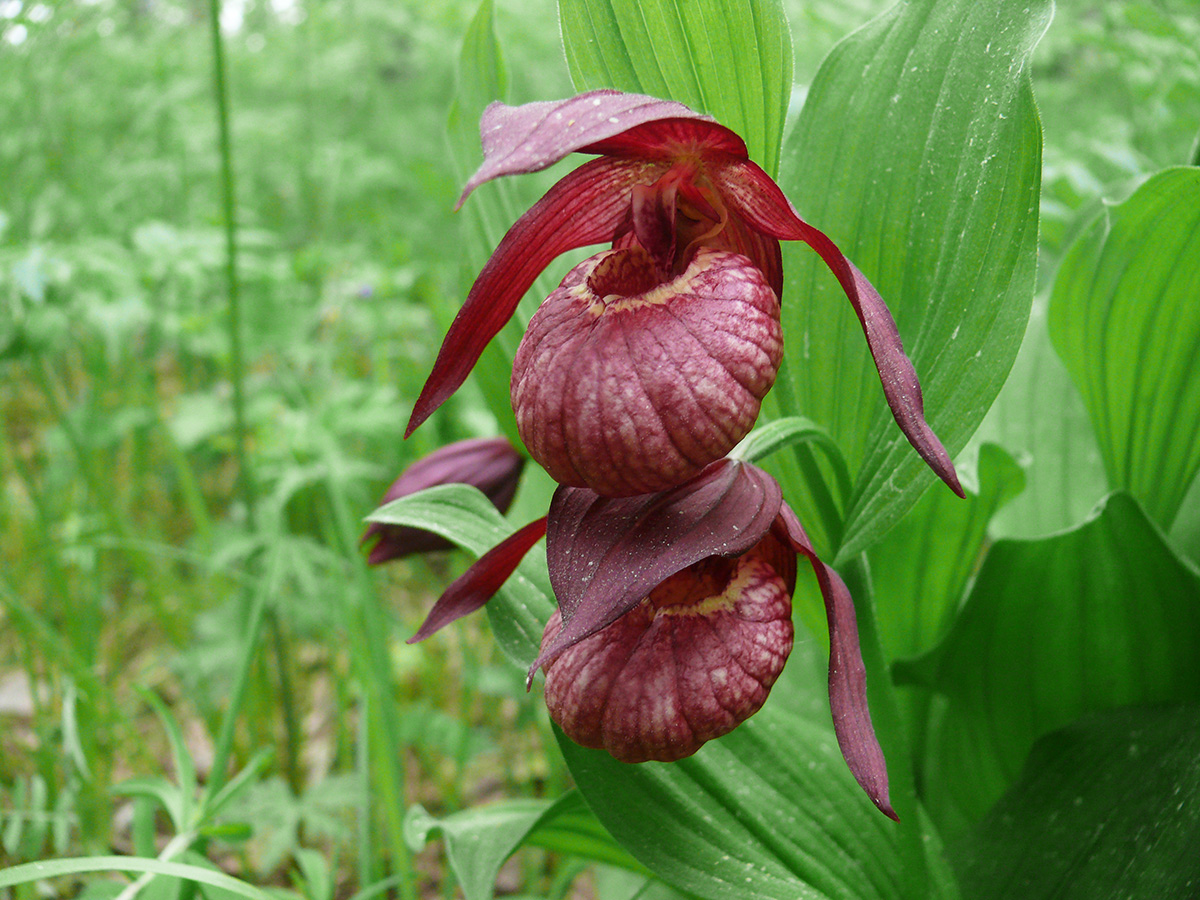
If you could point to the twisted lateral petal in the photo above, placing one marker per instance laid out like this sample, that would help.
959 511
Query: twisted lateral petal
479 583
847 674
606 554
754 197
583 208
528 138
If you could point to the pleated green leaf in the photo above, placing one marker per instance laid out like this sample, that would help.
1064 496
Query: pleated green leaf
1109 807
463 515
919 152
1125 318
731 59
479 840
1039 416
768 812
1102 616
921 567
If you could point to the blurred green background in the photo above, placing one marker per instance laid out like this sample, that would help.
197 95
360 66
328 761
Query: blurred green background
129 552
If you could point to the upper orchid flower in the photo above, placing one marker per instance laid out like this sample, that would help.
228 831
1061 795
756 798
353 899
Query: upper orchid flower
674 616
491 464
651 359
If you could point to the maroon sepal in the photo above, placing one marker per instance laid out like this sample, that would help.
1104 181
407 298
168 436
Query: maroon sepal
479 583
585 207
530 137
606 554
847 674
756 198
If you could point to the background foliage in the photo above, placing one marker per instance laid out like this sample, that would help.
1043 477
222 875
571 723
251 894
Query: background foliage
198 674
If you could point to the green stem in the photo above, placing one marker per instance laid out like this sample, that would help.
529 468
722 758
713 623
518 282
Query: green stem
247 483
367 619
254 627
889 725
237 363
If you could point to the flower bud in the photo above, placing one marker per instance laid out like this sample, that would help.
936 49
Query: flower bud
691 662
491 464
627 382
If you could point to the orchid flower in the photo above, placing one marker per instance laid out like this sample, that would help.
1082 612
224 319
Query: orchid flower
491 464
651 360
674 616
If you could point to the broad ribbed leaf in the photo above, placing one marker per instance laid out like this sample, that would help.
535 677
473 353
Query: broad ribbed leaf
1040 417
1102 616
731 59
918 152
921 567
479 840
464 516
1125 318
1109 807
768 812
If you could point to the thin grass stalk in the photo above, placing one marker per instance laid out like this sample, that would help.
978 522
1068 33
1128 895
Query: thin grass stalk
237 361
254 628
247 483
375 670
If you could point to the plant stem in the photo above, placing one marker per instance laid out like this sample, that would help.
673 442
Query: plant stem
236 353
889 724
247 483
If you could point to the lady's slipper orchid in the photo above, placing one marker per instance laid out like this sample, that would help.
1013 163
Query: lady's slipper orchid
491 464
651 360
674 617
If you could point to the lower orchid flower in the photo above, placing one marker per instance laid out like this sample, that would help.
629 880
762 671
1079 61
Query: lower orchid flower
674 616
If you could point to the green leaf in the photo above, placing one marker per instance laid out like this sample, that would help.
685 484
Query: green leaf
731 59
481 80
768 811
479 840
1125 319
1109 807
1102 616
463 515
918 151
921 567
58 868
1064 477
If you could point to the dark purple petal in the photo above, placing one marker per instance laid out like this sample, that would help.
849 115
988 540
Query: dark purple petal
605 555
479 583
755 198
491 464
847 674
528 138
585 207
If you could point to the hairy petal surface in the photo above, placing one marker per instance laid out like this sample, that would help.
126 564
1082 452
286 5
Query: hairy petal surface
476 586
755 197
585 207
847 674
606 554
626 386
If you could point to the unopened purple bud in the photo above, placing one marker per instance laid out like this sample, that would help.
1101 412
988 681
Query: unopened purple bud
491 464
628 383
690 663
